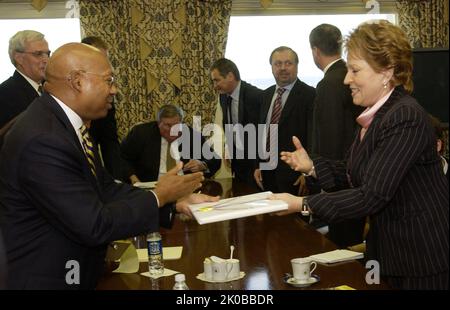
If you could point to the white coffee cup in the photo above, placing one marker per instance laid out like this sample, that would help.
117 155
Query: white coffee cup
302 268
235 270
207 269
220 268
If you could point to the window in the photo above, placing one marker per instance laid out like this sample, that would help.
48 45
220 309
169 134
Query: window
251 39
57 31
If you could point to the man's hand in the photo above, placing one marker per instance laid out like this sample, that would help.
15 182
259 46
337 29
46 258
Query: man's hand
183 203
294 202
194 165
172 186
258 178
299 159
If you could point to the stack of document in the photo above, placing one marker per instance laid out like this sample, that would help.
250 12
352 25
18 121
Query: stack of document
237 207
146 185
336 256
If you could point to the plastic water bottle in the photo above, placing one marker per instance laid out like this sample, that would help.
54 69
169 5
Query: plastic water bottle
155 254
180 282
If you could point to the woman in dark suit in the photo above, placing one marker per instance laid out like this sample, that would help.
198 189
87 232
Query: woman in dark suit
393 172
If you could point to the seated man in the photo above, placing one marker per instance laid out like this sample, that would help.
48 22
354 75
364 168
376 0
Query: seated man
146 150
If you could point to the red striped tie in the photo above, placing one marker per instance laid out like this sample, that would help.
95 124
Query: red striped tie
276 113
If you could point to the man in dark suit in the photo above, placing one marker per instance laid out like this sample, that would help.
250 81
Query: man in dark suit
28 51
146 148
334 117
288 107
104 130
240 103
60 209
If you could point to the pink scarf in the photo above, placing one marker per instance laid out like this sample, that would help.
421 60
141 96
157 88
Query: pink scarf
366 117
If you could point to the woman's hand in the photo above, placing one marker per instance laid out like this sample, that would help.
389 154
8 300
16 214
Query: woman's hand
299 159
294 202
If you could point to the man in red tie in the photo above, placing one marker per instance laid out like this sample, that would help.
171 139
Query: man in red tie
287 111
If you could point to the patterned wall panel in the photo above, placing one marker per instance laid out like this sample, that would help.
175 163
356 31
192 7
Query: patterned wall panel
161 51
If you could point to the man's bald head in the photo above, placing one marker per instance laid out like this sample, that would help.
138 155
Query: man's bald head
72 57
80 75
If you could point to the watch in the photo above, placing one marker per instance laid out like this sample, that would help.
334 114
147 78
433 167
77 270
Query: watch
305 207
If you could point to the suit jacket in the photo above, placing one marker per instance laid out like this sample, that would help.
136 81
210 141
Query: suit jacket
141 148
54 210
295 120
250 101
104 133
16 94
334 122
396 178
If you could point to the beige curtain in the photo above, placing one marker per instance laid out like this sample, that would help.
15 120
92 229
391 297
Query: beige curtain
425 22
161 51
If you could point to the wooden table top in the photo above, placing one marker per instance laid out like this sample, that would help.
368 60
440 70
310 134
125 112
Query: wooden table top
264 244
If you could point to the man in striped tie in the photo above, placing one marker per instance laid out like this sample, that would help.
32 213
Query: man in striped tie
58 204
286 111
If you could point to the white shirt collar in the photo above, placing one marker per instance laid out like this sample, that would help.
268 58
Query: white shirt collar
287 87
32 83
329 65
235 93
74 119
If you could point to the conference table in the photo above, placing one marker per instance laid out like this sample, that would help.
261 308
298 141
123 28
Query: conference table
264 244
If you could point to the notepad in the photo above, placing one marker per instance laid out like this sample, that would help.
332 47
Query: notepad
336 256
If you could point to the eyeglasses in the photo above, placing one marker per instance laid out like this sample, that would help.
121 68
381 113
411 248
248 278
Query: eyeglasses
38 54
110 79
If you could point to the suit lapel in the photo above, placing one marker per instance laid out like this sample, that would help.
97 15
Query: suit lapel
73 138
29 91
291 101
157 144
266 104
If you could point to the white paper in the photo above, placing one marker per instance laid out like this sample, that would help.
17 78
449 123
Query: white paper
237 207
336 256
145 185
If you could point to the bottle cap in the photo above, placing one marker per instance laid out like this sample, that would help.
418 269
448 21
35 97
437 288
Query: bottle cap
179 277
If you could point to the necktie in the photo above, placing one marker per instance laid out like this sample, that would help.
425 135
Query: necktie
170 162
276 113
88 148
228 104
40 89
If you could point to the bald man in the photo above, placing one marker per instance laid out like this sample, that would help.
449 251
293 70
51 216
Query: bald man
60 209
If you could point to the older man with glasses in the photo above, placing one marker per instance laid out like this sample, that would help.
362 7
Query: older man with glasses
29 53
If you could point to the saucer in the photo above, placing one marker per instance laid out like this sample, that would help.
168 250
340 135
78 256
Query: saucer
201 276
294 282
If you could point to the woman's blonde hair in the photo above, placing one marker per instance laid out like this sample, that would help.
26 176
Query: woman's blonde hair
384 46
